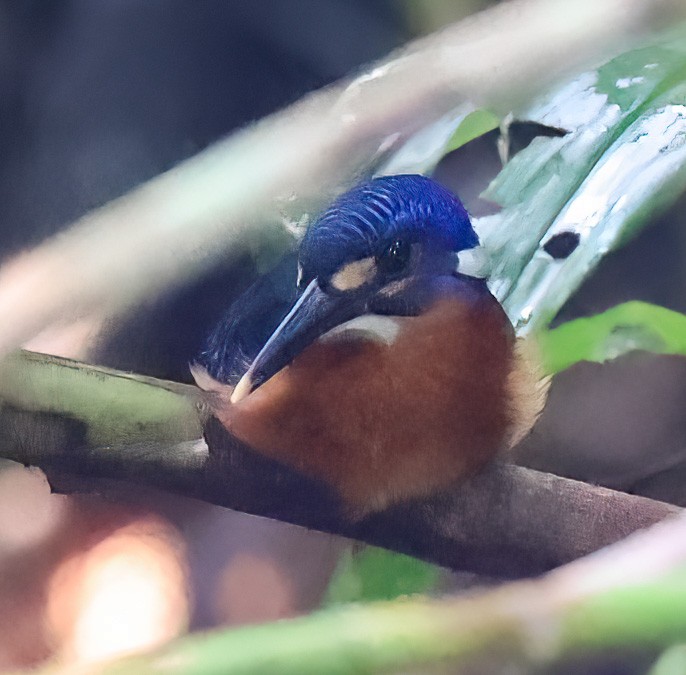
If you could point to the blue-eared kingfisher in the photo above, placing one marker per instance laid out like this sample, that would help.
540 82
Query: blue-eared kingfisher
375 360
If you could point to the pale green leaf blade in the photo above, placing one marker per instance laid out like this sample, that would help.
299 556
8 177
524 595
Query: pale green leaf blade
623 159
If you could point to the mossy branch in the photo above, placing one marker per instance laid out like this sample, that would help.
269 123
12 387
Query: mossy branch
85 425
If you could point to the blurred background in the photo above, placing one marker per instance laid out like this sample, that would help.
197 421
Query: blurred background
99 96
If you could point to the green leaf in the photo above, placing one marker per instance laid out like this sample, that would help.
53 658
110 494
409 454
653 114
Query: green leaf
472 126
633 325
423 150
671 662
622 160
378 574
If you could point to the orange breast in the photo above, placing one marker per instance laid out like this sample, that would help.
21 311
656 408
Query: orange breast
381 423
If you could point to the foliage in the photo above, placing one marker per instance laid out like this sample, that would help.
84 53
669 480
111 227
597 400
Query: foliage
622 159
473 125
377 574
632 325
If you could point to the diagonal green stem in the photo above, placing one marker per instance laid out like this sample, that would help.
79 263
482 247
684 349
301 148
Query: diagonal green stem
580 609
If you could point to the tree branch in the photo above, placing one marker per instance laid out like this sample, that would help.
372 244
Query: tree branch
103 425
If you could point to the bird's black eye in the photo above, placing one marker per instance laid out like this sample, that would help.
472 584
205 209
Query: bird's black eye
395 258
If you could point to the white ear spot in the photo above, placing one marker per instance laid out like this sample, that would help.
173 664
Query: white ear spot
374 327
474 262
353 275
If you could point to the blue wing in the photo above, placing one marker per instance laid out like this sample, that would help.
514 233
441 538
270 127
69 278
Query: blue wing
238 337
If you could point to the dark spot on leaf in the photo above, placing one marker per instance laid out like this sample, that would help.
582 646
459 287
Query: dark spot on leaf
522 132
561 245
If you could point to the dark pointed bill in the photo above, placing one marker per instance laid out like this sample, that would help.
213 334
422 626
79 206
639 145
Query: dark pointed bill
313 314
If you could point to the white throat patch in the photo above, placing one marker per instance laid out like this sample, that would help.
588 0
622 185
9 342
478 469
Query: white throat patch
374 327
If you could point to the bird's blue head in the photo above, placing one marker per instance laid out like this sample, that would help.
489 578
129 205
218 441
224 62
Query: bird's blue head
386 227
389 246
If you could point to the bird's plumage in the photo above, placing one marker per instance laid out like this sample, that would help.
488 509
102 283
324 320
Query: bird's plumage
377 367
361 222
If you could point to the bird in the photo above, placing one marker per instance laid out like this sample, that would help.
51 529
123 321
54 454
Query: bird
375 359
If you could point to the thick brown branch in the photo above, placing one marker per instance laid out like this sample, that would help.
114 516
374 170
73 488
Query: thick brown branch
507 521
